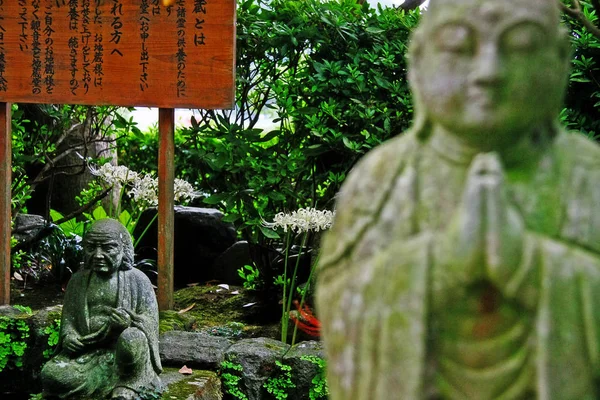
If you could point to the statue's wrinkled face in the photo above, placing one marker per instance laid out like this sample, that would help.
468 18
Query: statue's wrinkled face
103 251
490 71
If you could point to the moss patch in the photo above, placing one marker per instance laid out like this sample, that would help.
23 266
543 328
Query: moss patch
174 321
215 310
212 304
202 385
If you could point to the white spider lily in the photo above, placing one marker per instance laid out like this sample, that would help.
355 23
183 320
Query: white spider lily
302 220
145 191
184 191
115 174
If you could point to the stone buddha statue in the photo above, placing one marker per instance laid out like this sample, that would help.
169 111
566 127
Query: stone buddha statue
108 343
464 260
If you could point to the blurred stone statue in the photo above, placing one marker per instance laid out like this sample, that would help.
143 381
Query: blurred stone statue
109 329
464 261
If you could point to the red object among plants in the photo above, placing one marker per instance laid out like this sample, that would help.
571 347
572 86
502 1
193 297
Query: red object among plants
305 320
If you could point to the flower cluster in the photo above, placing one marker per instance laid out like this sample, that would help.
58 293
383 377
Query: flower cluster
184 191
145 191
142 189
302 220
115 174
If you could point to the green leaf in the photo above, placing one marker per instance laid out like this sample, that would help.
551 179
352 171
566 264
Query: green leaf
270 233
372 29
99 213
276 196
215 198
125 219
348 143
231 218
55 215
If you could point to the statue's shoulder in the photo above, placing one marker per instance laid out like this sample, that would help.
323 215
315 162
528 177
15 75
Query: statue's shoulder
364 192
137 276
576 149
79 277
377 168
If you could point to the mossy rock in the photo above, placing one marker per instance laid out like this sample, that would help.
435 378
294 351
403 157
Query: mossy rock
214 310
214 305
200 385
175 321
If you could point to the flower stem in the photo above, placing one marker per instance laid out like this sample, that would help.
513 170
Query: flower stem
284 318
291 295
312 270
145 230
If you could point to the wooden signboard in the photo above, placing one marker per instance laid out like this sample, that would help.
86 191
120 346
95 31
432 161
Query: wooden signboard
162 53
118 52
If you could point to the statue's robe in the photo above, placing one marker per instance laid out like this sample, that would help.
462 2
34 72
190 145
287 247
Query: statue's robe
94 373
397 313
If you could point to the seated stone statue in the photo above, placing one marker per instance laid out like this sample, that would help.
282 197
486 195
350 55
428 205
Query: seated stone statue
109 329
464 260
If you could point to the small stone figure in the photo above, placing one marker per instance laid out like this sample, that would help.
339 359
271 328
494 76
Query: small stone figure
464 260
108 343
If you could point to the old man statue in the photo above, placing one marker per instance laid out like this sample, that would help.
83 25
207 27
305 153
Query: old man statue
109 329
464 261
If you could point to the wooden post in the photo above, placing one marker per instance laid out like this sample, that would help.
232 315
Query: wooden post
166 202
5 197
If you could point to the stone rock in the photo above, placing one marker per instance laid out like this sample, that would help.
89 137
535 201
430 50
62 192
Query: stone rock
193 349
303 370
200 238
40 350
200 385
257 358
28 226
227 264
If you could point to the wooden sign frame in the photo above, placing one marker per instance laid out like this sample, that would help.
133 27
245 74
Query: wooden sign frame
115 52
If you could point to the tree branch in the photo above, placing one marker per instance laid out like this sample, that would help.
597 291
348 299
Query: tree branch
411 4
576 12
84 208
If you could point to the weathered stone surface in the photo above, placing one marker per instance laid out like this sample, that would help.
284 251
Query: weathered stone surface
257 358
35 357
193 349
227 264
303 371
200 385
200 237
436 235
28 226
469 247
108 342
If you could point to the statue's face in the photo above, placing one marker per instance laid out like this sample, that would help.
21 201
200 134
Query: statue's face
103 252
491 71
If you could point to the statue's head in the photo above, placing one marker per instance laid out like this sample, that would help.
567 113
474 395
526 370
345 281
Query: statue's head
489 71
107 247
